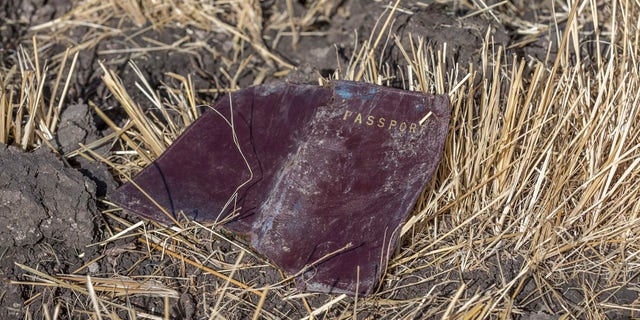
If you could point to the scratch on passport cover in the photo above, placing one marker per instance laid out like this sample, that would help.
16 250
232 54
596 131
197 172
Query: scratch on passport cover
318 179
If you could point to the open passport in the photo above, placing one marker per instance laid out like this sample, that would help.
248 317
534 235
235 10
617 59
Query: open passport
317 179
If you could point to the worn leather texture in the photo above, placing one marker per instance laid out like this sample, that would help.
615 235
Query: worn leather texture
318 179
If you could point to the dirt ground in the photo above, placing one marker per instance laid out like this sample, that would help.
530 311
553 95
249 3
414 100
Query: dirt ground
50 208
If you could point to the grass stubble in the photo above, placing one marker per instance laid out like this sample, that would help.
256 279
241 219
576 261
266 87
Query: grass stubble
540 168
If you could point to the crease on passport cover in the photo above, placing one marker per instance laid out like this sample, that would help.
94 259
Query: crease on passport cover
335 171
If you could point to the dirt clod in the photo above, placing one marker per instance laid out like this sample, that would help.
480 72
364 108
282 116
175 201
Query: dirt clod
40 198
76 126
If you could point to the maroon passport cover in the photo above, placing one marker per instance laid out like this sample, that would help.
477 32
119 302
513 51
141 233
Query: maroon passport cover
318 179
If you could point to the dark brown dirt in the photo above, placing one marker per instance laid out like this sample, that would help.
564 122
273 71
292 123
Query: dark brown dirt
17 15
48 210
497 272
43 199
437 24
48 216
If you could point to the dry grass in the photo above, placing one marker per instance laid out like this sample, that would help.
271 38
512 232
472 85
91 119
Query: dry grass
27 119
537 188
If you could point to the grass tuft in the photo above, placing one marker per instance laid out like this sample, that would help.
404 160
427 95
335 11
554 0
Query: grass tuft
28 119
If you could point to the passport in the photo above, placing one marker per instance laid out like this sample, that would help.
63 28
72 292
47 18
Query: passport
317 179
